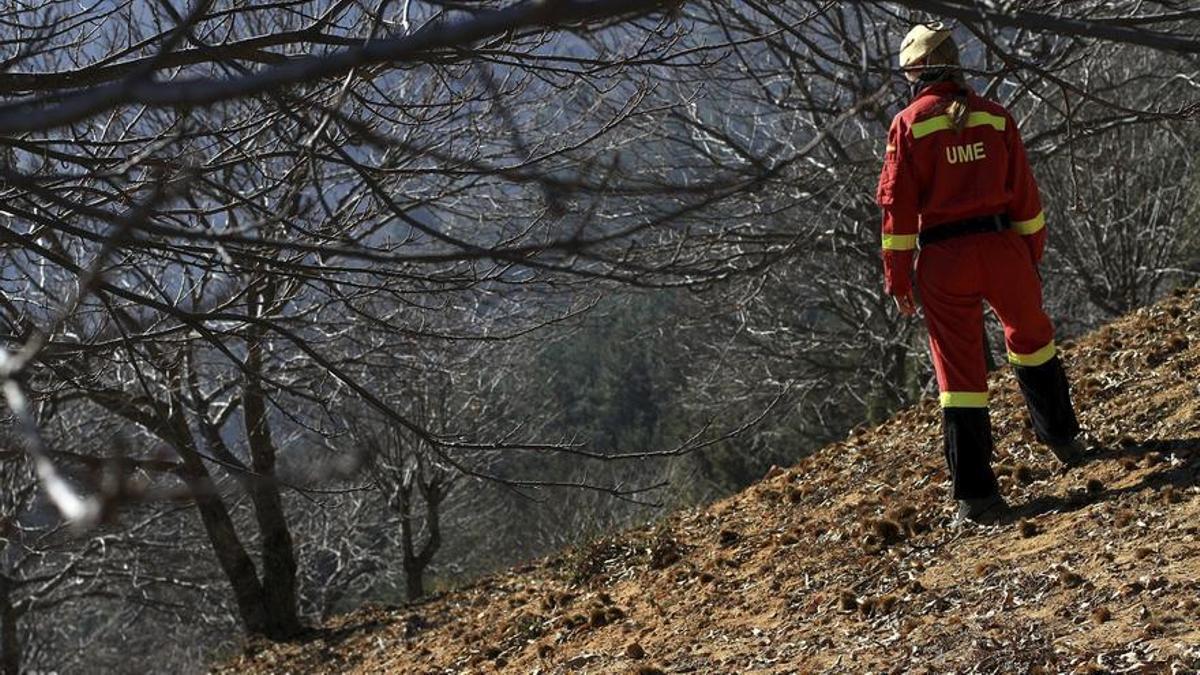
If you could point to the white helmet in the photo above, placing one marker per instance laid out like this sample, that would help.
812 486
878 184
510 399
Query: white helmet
921 41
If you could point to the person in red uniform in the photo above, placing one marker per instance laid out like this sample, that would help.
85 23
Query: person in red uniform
957 185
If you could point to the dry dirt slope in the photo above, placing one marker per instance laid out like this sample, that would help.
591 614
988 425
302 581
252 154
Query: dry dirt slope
844 563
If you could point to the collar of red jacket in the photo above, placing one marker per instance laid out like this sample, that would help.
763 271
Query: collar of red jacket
944 88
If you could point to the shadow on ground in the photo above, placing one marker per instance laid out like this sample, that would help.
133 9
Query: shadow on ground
1181 476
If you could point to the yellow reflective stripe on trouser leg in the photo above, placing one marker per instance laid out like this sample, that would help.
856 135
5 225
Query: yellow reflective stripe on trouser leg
1030 226
1036 358
899 242
964 399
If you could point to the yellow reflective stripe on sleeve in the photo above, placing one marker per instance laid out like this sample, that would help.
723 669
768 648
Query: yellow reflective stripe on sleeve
899 242
1032 225
1035 359
964 399
945 123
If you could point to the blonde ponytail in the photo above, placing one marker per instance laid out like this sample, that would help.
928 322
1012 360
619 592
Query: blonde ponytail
958 112
946 55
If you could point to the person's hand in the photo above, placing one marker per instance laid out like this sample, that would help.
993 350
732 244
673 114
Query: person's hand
906 304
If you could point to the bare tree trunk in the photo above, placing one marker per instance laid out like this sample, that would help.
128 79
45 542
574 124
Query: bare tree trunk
415 563
214 515
218 525
232 556
413 575
278 553
414 579
10 648
887 394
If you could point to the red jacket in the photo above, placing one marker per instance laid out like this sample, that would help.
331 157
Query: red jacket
933 175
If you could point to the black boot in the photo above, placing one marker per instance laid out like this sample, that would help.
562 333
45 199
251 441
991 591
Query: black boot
967 439
1071 454
1048 397
991 510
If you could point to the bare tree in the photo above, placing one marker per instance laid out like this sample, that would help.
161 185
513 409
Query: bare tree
456 396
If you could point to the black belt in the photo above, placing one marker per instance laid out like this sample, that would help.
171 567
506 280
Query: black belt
994 223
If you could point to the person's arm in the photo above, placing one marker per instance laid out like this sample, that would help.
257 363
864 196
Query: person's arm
897 195
1025 209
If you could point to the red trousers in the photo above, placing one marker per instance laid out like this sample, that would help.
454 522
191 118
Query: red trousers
954 277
